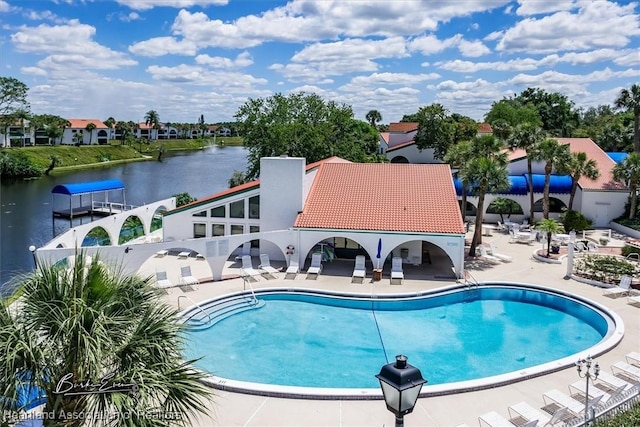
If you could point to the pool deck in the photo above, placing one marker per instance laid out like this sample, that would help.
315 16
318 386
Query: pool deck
235 409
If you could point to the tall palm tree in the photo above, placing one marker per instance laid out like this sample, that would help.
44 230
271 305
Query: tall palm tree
628 172
373 116
90 127
90 325
527 136
551 152
110 123
577 167
629 99
458 156
550 227
152 119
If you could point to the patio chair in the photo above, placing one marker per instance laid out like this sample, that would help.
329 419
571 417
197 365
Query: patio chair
265 266
162 281
501 257
580 388
359 269
557 398
485 256
626 371
245 250
634 300
623 288
292 270
524 413
493 419
247 269
609 382
187 279
633 358
316 266
397 274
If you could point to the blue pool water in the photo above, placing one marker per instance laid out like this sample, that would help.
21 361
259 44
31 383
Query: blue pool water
304 340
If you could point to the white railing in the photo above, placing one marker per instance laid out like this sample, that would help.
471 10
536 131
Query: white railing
111 207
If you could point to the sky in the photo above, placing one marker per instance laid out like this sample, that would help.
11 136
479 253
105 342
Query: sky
187 58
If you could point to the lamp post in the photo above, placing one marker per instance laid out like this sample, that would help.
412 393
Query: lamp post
586 363
401 384
32 249
570 253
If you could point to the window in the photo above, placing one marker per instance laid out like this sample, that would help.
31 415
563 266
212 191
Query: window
217 230
202 213
236 209
254 229
218 212
237 229
199 230
254 207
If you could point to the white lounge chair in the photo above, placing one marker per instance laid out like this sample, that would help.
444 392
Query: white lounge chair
625 370
501 257
634 300
522 412
247 269
633 358
579 387
609 382
315 268
623 288
485 256
187 279
397 274
359 269
493 419
558 398
265 265
162 281
292 270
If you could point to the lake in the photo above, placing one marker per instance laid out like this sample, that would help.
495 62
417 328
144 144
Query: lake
25 216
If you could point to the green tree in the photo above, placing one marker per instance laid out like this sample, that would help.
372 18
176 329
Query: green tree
558 115
550 227
183 199
464 128
458 156
502 206
89 324
577 167
202 125
527 137
628 173
373 117
629 99
486 172
513 112
78 137
152 119
237 178
90 127
551 153
13 96
435 129
110 123
303 125
53 162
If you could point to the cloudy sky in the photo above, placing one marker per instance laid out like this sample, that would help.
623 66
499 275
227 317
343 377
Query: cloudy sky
184 58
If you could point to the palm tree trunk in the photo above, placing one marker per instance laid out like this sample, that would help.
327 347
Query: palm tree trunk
636 132
574 186
634 200
545 195
477 232
531 201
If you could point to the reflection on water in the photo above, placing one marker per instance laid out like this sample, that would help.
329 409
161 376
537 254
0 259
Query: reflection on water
25 215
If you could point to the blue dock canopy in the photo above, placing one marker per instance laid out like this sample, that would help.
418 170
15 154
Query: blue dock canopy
88 187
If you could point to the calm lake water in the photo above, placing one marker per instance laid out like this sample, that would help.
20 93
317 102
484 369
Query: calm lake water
25 216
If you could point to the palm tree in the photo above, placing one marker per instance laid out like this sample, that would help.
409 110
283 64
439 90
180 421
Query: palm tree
577 167
110 123
152 120
549 226
628 172
88 324
551 153
90 128
527 136
457 156
630 100
373 117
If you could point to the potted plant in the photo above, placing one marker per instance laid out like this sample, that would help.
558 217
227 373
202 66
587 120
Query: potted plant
555 248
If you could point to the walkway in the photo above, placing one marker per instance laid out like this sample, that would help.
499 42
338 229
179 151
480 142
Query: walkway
233 409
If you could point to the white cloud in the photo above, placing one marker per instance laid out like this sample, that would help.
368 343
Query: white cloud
402 79
129 17
150 4
353 49
229 81
595 25
430 44
242 60
473 49
161 46
4 6
536 7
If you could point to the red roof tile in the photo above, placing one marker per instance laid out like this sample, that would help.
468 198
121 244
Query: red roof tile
382 196
401 145
82 123
403 126
485 128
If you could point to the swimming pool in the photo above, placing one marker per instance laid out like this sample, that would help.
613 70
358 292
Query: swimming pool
303 342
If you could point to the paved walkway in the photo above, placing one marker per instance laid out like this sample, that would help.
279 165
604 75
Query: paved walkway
234 409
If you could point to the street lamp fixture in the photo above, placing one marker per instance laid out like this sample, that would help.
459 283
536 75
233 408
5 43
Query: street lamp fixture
401 384
586 363
32 249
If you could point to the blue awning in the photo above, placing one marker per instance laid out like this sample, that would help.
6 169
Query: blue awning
88 187
558 184
617 157
518 186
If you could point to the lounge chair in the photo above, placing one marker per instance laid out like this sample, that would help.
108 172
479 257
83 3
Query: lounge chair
162 281
633 358
522 413
490 258
634 300
623 288
397 274
579 387
292 270
187 279
245 250
501 257
247 269
557 398
628 372
609 382
316 266
493 419
359 269
265 266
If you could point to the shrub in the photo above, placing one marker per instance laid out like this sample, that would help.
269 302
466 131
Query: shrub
627 249
17 166
574 220
606 269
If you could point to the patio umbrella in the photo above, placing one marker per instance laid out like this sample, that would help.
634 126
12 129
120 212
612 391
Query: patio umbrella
379 251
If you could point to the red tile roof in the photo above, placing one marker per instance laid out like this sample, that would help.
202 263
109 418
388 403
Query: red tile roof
401 145
82 123
485 128
382 196
593 151
403 126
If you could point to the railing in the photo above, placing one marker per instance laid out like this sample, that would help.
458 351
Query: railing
614 407
245 278
111 207
195 304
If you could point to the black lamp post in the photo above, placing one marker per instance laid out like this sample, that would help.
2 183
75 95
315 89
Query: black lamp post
401 384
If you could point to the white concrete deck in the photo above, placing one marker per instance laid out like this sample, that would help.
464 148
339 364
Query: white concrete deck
234 409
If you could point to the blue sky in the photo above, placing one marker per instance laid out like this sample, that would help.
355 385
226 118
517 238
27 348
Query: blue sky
184 58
